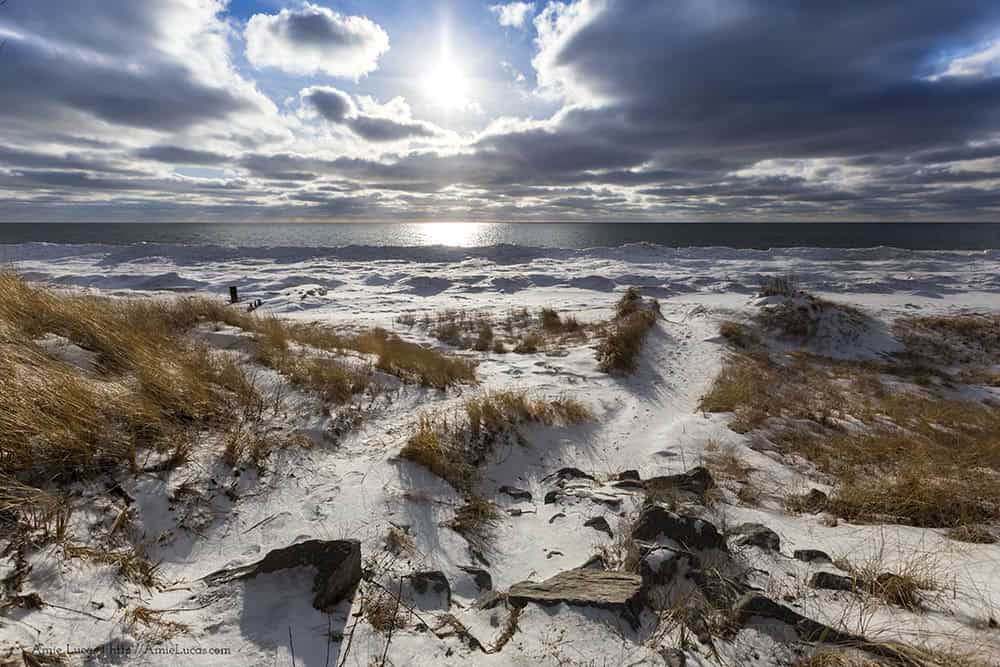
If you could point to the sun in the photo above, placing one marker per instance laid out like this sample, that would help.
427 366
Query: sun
446 85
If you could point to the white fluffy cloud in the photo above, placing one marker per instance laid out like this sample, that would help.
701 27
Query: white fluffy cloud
315 39
513 14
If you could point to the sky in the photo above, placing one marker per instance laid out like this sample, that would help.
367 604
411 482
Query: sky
584 110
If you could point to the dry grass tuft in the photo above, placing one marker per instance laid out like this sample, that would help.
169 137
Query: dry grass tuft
477 521
972 534
634 317
453 448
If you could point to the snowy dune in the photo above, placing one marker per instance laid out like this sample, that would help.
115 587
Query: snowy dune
358 488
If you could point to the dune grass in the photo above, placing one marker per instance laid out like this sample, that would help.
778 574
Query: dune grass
634 316
911 455
519 329
453 447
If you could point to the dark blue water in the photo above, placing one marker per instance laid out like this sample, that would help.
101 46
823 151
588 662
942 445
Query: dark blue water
916 236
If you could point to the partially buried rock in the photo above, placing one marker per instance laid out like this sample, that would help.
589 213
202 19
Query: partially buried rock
758 535
615 591
832 582
595 562
337 564
655 523
756 606
696 481
564 474
430 590
484 581
551 497
599 523
629 474
811 556
515 493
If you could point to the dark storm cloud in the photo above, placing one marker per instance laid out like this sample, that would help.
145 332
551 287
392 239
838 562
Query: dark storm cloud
161 96
374 128
761 79
179 155
15 157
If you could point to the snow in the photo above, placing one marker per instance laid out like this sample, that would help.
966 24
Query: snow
358 488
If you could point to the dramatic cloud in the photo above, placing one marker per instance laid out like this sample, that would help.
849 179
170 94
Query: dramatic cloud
644 110
513 14
315 39
373 121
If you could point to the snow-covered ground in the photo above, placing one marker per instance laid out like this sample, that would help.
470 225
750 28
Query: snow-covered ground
358 488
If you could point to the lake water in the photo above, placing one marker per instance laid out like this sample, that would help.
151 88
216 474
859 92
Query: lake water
916 236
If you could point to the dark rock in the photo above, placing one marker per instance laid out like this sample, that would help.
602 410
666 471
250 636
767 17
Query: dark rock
433 584
595 562
673 657
558 515
811 555
615 591
564 474
754 605
695 481
629 484
629 474
689 532
551 497
599 523
482 578
758 535
832 582
516 493
337 563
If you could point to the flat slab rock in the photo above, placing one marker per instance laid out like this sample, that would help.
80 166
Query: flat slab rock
615 591
337 564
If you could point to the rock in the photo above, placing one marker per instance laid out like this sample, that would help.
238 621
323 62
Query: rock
482 578
695 481
688 532
516 493
673 657
758 535
811 556
629 475
629 484
557 515
595 562
754 605
665 576
430 590
337 563
832 582
564 474
599 523
551 497
615 591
